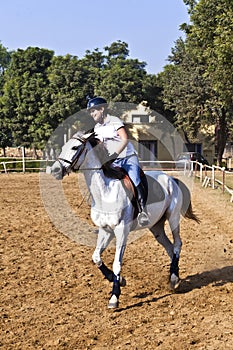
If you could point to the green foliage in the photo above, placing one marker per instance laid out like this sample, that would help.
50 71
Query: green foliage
4 60
23 91
5 132
41 90
198 86
121 78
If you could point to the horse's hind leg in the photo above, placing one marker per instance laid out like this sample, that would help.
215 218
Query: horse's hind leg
173 250
174 266
160 235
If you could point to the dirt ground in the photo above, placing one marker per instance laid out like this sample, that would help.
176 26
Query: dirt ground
53 297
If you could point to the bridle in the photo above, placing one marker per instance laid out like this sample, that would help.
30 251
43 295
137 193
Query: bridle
72 163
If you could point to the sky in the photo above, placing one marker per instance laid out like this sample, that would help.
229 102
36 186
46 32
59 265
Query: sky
149 27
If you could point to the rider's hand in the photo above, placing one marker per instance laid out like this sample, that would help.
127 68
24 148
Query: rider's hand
113 157
110 159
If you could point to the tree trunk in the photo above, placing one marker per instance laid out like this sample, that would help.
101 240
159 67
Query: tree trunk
35 155
221 135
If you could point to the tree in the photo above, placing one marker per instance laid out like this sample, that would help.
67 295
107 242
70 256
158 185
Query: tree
5 132
5 137
199 85
24 84
41 90
4 63
185 90
121 78
71 80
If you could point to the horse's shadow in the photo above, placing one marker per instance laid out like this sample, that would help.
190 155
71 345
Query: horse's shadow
216 277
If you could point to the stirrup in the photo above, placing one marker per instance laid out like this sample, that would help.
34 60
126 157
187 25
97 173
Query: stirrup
143 219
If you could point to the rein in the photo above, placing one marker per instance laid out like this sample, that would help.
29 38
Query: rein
109 172
72 163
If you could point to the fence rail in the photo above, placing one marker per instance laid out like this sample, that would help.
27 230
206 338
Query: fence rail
212 176
23 165
215 176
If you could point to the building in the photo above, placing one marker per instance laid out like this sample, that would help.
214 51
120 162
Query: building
156 139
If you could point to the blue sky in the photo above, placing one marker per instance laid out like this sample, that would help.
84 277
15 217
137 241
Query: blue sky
149 27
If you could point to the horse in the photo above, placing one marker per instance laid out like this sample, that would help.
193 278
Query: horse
113 206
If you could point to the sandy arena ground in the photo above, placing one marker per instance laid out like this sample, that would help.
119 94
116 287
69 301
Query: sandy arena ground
53 297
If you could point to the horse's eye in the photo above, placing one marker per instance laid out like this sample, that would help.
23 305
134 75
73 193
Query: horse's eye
74 148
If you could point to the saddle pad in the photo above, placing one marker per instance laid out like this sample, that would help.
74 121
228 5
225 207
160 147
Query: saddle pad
155 191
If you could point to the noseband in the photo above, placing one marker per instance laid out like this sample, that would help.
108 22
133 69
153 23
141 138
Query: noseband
72 163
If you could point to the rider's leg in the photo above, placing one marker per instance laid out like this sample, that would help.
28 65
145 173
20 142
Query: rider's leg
132 167
143 218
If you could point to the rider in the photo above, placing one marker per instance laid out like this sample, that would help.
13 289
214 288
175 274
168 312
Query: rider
111 131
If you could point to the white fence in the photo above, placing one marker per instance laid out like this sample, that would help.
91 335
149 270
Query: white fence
24 165
215 177
212 176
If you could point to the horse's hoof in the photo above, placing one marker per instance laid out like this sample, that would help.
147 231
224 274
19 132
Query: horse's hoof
174 282
113 302
122 281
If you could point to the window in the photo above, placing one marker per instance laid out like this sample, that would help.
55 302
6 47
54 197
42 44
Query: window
140 118
193 147
147 150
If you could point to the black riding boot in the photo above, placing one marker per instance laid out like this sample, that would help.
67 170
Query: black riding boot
143 218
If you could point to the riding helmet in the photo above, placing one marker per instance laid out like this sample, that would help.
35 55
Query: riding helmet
96 102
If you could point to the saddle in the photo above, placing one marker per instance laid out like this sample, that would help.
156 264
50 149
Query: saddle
155 194
154 190
131 190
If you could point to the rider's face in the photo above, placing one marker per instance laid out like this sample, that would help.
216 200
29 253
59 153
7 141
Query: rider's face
97 114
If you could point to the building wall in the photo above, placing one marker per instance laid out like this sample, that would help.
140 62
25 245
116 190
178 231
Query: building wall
143 125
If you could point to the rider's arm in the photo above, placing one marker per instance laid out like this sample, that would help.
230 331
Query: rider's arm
124 140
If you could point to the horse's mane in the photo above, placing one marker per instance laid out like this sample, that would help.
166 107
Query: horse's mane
102 154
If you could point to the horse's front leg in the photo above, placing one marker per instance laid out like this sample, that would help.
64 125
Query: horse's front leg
103 240
121 234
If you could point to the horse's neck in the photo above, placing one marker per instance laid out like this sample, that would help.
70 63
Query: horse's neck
94 175
103 189
97 183
109 199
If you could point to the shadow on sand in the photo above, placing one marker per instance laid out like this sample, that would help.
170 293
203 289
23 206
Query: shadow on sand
217 277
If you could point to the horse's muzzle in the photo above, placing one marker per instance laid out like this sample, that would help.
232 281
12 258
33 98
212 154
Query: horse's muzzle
57 170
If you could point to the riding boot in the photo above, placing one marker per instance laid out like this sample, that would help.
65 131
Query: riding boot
143 218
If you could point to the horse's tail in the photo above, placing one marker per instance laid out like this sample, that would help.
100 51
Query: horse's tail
186 209
189 214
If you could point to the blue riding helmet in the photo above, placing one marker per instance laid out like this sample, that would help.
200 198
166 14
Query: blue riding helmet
96 102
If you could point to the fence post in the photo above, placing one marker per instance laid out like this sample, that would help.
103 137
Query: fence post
213 178
4 166
23 158
191 169
201 172
223 180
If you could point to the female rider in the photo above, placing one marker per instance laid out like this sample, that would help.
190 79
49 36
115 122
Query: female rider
111 131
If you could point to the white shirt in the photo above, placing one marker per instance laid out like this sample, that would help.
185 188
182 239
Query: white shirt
107 133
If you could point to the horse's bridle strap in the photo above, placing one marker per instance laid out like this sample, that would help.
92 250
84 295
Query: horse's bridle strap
64 160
